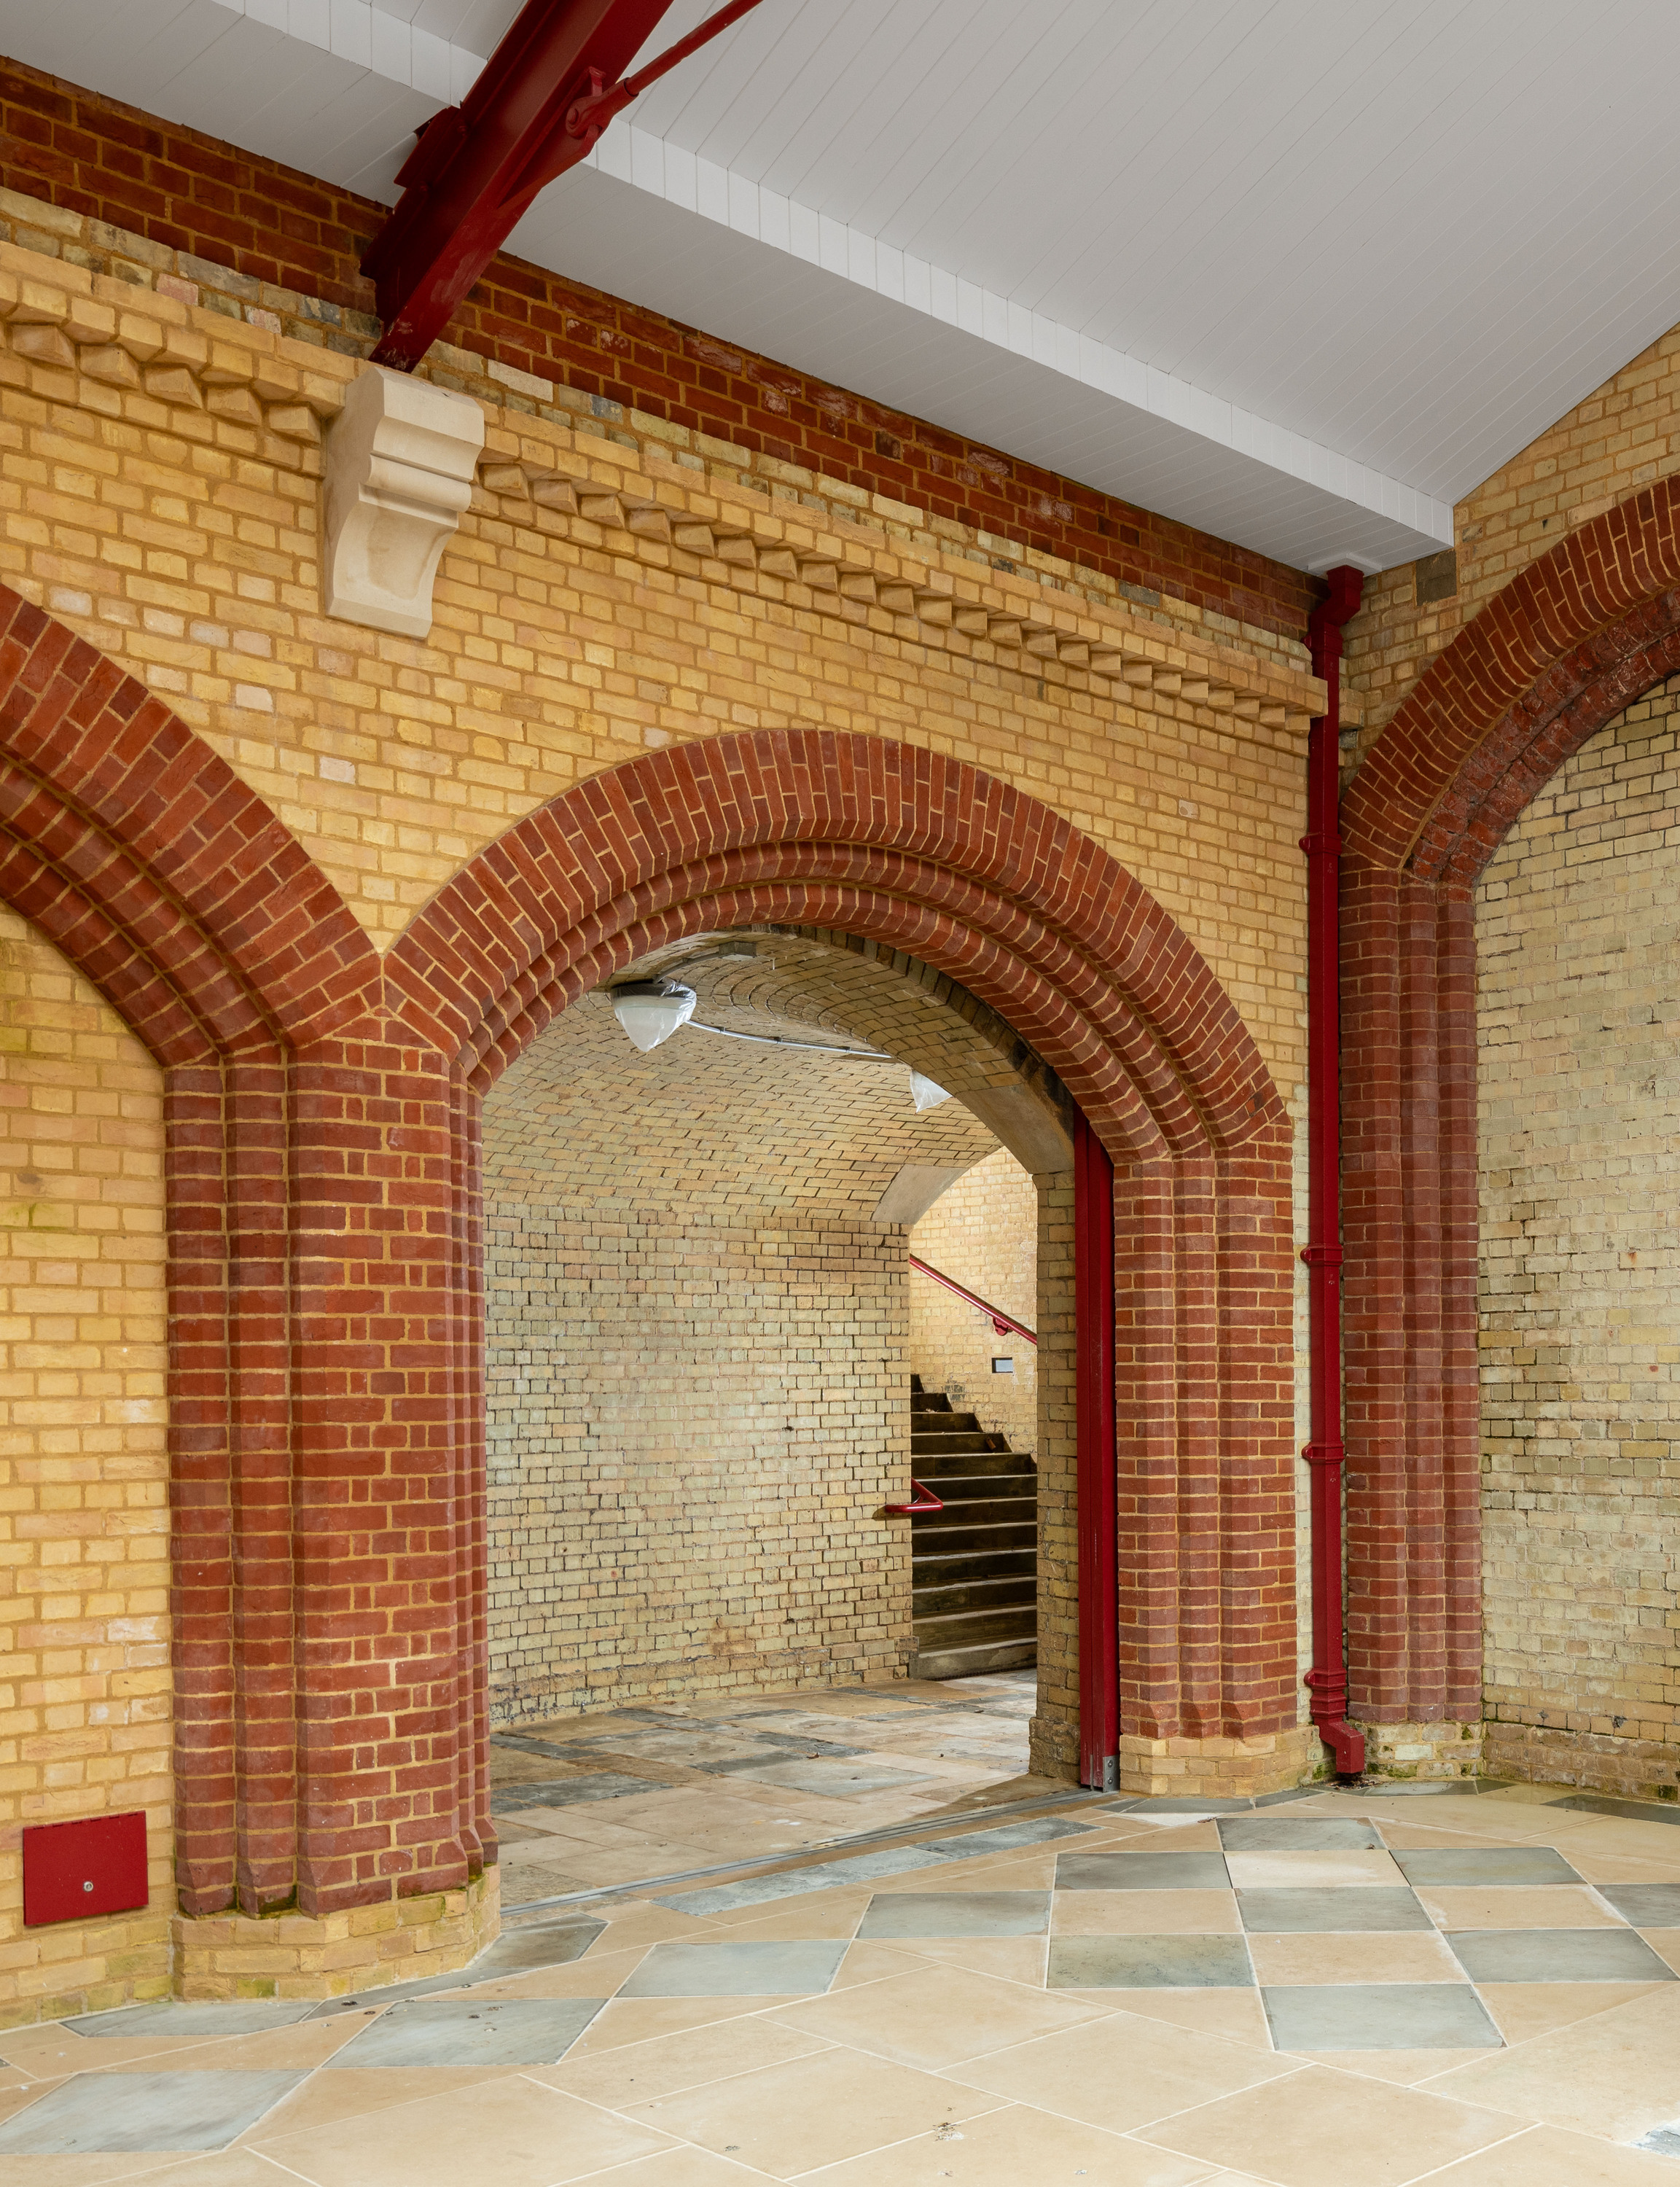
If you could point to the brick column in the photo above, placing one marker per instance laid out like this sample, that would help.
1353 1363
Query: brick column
1409 1232
387 1395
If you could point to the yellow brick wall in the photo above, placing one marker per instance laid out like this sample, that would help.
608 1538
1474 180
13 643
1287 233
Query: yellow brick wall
84 1474
698 1379
1577 930
983 1231
164 500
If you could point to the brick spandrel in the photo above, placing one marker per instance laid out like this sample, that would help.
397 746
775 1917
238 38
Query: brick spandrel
191 210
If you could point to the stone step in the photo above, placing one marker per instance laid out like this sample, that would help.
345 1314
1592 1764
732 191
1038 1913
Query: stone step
965 1629
935 1566
937 1599
952 1462
974 1565
954 1424
953 1486
972 1662
975 1446
978 1511
952 1534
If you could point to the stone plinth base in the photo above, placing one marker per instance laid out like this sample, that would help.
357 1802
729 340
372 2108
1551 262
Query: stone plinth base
1053 1747
84 1966
291 1955
1224 1769
1634 1768
1433 1753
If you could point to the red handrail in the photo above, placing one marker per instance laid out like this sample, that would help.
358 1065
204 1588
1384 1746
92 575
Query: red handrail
1001 1322
922 1498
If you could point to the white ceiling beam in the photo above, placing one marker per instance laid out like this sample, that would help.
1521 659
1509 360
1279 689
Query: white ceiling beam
648 221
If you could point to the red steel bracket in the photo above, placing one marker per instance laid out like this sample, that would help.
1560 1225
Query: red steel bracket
541 102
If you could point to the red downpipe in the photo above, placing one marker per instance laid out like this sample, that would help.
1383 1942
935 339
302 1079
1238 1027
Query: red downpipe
1325 1454
1098 1486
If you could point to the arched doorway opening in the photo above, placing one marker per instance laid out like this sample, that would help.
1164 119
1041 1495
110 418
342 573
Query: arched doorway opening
706 1408
1185 1153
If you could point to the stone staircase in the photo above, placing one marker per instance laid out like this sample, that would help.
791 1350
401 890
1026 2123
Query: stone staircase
973 1566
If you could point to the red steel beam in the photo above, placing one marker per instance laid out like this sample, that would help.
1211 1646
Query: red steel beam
542 99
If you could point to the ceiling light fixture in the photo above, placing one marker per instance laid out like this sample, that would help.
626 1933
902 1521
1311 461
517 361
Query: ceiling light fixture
651 1010
925 1093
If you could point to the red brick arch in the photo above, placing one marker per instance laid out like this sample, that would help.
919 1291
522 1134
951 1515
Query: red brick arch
985 883
1559 652
324 1743
326 1417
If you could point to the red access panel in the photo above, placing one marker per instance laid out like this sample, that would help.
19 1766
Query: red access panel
73 1870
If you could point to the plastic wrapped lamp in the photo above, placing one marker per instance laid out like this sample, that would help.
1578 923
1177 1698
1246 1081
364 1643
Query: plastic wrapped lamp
650 1012
926 1093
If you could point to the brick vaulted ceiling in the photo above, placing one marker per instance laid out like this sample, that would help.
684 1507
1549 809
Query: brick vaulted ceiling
1298 274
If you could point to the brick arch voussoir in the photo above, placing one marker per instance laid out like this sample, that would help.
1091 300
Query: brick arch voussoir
822 809
1581 695
1031 1007
1507 672
161 874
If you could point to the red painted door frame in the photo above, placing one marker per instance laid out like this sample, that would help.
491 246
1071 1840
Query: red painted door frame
1098 1521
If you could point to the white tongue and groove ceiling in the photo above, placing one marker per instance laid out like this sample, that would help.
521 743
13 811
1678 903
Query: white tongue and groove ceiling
1301 272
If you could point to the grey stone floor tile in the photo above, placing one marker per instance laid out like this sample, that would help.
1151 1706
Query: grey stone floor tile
701 1747
1009 1839
1634 1811
737 1969
538 1945
518 1951
1141 1871
1646 1905
833 1779
439 2031
1558 1955
1484 1866
144 2111
1148 1963
568 1792
1425 1789
1380 2016
1347 1908
1209 1805
237 2017
956 1914
552 1750
796 1882
795 1742
1298 1834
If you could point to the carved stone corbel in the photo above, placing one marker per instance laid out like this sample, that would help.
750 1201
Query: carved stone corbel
400 461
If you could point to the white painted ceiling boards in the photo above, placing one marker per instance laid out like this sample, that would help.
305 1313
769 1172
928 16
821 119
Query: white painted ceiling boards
1300 271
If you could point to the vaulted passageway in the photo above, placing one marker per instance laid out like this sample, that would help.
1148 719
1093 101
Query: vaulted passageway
699 1313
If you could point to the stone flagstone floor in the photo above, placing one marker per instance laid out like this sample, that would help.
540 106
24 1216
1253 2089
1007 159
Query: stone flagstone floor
631 1793
1313 1991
